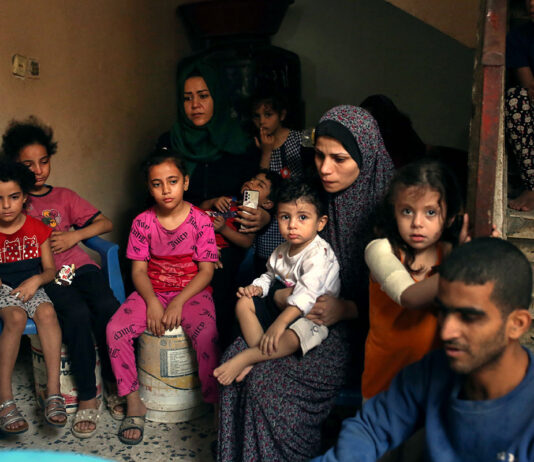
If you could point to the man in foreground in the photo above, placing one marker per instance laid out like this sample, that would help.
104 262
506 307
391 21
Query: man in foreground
474 397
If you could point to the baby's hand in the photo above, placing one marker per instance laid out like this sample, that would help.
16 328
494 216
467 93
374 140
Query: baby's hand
62 240
269 341
218 223
222 204
154 315
249 291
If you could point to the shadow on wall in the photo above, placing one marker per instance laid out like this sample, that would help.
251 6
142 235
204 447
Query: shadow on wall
351 49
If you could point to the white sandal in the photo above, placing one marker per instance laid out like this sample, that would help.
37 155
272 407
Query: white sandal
86 415
113 401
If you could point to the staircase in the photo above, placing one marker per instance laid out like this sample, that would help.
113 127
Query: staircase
455 18
487 195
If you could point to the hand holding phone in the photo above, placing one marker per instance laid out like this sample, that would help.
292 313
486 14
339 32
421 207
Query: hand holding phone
251 199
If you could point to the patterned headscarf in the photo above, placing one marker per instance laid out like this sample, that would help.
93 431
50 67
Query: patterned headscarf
350 210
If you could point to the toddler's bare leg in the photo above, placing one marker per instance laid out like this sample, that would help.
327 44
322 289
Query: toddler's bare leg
239 366
250 326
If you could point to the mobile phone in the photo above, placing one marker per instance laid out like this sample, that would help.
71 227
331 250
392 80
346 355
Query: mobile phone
251 198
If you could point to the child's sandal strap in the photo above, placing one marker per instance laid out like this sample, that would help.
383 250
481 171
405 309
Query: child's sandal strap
11 417
7 403
54 407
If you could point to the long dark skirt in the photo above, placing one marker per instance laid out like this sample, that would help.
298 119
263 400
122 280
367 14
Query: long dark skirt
276 413
519 114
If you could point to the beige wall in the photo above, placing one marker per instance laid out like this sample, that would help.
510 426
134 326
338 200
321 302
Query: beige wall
107 87
107 81
350 49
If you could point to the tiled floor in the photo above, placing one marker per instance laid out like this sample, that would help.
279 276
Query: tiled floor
162 442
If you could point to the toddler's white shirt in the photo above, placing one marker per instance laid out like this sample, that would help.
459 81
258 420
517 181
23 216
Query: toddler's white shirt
313 272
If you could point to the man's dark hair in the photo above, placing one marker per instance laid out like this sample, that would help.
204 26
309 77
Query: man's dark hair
489 259
294 189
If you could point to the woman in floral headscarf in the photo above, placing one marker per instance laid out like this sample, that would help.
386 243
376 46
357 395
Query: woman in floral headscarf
276 412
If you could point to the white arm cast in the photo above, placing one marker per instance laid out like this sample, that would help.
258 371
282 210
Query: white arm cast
387 269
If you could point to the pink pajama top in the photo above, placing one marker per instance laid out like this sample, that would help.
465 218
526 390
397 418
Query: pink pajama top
172 255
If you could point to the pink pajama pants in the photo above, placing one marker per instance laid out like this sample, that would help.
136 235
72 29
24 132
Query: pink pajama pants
198 323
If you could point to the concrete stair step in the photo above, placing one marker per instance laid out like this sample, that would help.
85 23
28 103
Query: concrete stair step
520 231
526 245
528 339
520 224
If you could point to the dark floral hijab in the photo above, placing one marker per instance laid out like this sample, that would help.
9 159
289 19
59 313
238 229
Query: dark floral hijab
350 210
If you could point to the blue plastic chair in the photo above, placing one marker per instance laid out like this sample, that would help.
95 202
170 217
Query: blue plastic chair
109 254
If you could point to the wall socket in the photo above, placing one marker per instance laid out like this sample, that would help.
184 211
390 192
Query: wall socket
19 65
25 67
33 70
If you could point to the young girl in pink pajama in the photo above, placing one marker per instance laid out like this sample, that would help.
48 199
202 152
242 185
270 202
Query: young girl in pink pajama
173 249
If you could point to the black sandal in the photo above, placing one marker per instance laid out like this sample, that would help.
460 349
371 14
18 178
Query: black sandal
132 423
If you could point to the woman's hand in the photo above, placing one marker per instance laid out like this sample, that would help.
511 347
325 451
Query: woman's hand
222 204
269 340
63 240
328 310
173 315
154 315
26 290
252 219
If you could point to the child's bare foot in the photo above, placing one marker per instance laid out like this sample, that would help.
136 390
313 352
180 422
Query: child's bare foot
524 202
243 374
227 372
